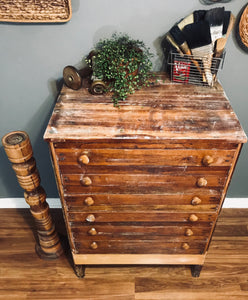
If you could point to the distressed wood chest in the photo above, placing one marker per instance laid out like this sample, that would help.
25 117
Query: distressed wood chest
143 183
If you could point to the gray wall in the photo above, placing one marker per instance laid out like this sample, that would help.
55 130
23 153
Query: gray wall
32 58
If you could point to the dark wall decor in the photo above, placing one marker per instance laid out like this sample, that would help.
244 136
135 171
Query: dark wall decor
208 2
241 29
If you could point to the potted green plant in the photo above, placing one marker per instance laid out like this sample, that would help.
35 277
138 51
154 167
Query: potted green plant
123 63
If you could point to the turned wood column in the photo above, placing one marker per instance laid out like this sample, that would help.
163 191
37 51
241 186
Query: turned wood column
19 151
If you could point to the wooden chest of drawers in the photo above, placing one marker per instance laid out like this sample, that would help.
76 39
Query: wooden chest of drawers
143 183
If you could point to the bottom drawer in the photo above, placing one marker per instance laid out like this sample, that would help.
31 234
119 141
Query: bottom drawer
140 247
140 238
138 231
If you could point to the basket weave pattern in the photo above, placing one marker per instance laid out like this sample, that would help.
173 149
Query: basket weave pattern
243 27
35 10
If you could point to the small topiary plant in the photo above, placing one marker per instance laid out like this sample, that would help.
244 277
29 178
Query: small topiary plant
124 64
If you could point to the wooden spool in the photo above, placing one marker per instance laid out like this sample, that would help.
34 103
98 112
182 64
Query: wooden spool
29 182
43 225
19 151
35 199
73 77
17 146
48 242
24 169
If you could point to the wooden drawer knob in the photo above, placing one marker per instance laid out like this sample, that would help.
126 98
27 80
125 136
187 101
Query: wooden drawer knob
86 181
92 231
93 245
90 218
193 218
196 201
89 201
185 246
207 160
189 232
201 182
84 159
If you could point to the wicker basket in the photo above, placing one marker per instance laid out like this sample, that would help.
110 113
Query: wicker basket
243 27
35 11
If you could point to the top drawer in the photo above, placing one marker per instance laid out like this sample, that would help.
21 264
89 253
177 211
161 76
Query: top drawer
137 157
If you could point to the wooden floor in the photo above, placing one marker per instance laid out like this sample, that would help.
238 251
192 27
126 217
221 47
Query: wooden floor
25 276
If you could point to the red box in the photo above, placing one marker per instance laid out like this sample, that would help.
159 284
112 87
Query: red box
181 71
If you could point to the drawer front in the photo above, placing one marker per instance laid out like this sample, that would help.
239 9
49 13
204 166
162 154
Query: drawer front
144 201
152 216
203 200
77 160
161 246
126 233
108 231
142 184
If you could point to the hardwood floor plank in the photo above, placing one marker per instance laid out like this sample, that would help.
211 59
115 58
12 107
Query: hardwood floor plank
190 295
158 284
23 275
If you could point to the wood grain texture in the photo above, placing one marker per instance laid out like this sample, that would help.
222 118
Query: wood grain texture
162 160
19 151
140 216
138 231
170 201
124 157
162 111
224 274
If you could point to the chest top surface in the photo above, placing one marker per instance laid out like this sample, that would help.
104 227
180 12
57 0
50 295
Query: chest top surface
164 111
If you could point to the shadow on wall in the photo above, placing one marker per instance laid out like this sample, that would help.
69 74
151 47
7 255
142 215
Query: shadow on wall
35 129
108 30
8 178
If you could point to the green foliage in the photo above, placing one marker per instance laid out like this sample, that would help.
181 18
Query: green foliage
123 63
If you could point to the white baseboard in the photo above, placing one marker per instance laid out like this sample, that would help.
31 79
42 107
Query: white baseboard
55 203
21 203
235 203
